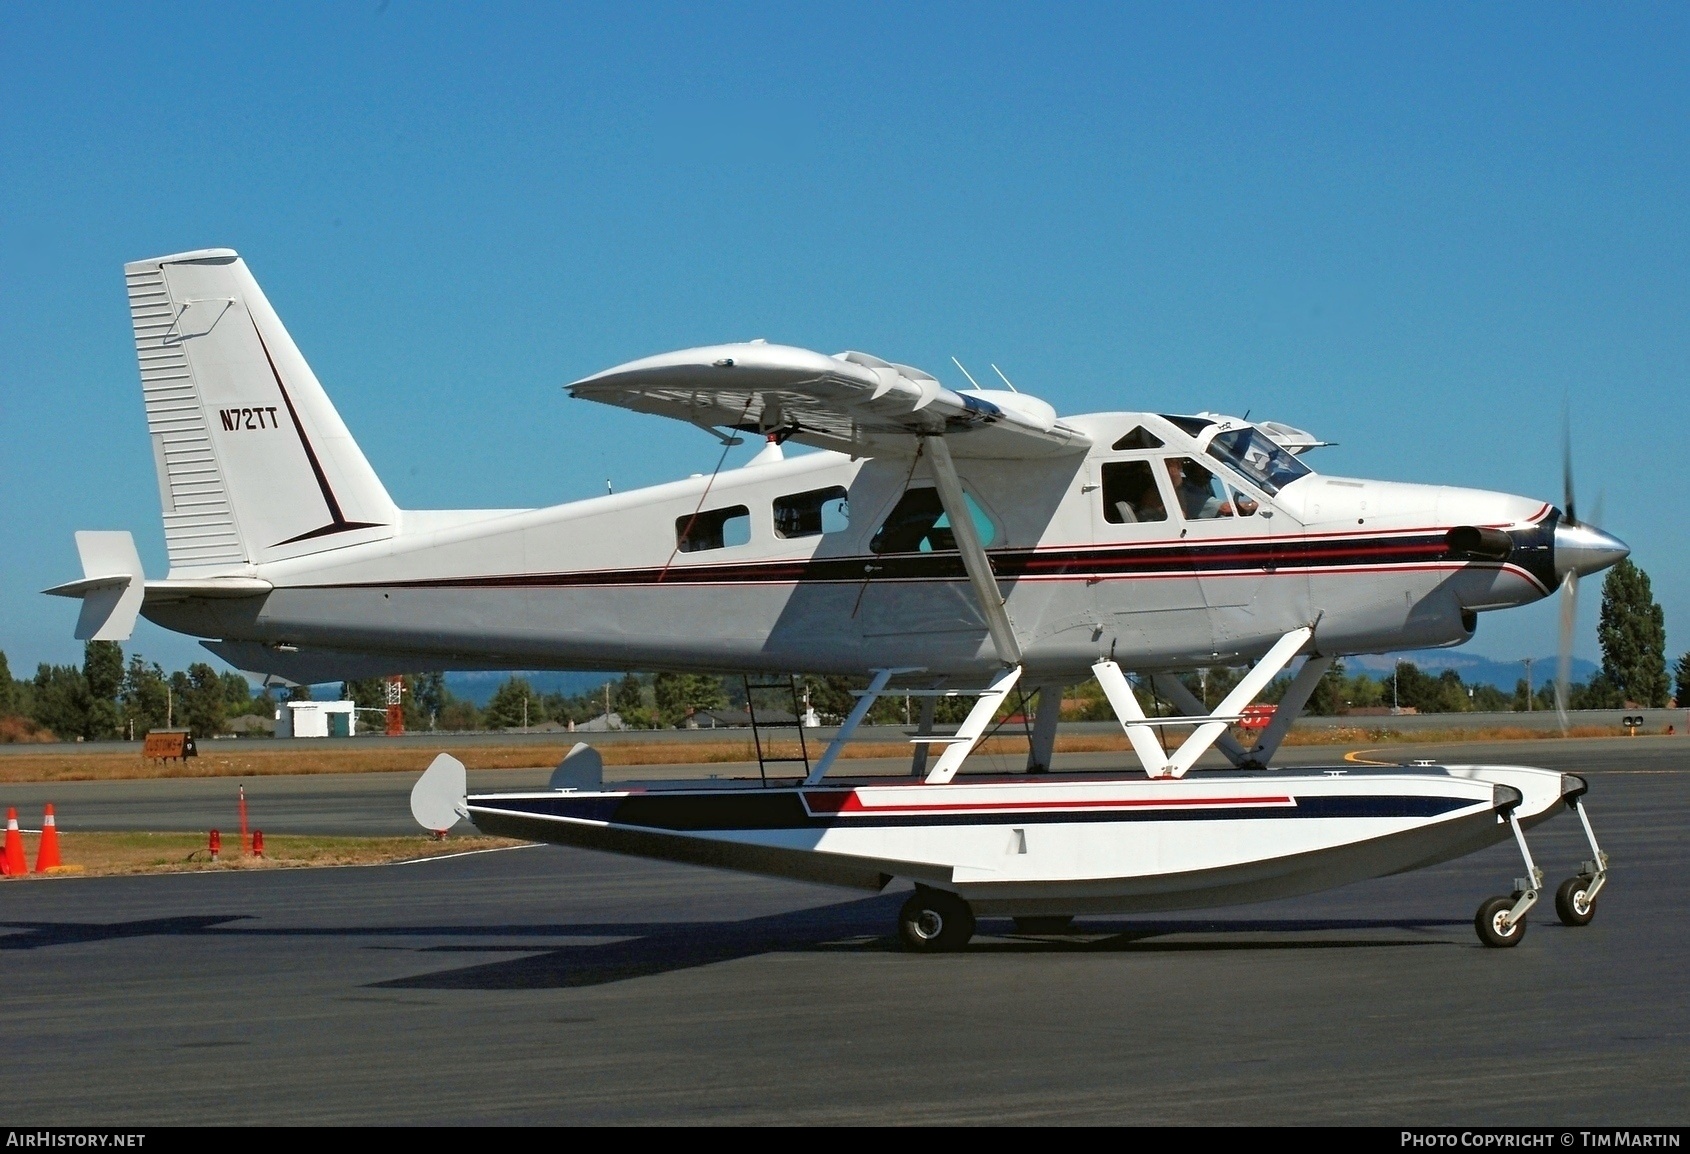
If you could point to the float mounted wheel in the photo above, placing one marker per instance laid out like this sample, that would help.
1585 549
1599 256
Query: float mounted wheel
933 921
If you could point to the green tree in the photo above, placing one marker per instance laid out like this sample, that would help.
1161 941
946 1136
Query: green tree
1598 693
629 695
1633 634
300 693
8 695
1329 697
62 701
199 700
144 701
238 697
102 669
680 695
429 696
507 708
458 714
1683 679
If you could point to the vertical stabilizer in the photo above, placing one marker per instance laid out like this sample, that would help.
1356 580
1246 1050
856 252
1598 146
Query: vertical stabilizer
254 463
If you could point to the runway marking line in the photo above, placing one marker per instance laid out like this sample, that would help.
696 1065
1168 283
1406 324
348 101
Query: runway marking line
466 853
1354 757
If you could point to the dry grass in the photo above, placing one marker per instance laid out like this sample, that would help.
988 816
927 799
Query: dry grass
92 854
226 759
217 760
1356 735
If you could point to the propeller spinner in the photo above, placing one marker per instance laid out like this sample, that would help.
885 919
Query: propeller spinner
1580 550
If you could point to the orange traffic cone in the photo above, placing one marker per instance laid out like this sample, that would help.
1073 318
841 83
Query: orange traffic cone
47 853
13 864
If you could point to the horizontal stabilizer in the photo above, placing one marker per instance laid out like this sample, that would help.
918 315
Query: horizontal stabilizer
111 588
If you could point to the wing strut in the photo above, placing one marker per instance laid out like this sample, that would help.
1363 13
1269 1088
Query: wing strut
865 701
974 558
1209 727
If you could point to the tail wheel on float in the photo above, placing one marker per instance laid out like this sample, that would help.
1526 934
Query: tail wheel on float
1494 926
1573 904
934 921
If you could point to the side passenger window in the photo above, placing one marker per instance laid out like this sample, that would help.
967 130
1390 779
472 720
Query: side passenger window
812 514
918 524
713 529
1130 494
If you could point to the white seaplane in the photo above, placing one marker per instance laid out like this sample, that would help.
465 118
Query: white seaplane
942 541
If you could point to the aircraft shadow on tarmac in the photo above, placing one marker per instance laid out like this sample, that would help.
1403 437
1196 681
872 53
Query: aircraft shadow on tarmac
637 950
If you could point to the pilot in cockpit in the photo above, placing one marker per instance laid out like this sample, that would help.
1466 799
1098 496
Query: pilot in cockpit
1200 496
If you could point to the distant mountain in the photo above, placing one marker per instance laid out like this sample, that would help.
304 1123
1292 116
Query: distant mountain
480 687
1475 668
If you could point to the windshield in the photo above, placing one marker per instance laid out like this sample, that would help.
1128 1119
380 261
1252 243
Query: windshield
1251 453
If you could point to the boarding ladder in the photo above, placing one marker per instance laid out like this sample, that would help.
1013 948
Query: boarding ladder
789 685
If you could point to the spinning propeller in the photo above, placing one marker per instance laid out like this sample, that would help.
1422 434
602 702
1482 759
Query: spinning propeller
1580 549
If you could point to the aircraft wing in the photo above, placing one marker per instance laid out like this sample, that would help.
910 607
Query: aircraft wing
852 402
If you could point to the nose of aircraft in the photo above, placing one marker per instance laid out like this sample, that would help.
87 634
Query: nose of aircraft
1584 549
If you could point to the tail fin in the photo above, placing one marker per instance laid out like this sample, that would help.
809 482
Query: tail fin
254 464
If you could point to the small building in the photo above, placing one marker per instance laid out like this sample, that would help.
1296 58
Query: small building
317 719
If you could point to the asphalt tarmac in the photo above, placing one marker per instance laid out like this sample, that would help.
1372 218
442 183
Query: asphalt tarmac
548 985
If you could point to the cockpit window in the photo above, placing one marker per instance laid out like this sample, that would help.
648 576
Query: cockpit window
1139 438
1192 425
1130 494
1202 496
918 524
1250 452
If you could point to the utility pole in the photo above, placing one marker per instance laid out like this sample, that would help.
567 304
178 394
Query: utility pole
1528 685
169 707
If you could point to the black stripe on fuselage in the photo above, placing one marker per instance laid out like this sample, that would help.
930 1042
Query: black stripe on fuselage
1178 559
784 809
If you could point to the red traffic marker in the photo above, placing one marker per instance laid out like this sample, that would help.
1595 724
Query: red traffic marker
12 864
257 843
47 853
216 844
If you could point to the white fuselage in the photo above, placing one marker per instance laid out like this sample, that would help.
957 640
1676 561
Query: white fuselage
602 583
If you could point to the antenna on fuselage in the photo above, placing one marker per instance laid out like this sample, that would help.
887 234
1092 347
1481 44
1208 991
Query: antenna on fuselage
967 374
607 487
1006 380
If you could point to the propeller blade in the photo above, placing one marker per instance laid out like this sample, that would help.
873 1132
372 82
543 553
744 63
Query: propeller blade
1564 652
1567 466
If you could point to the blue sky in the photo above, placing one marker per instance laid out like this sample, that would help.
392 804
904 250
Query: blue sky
1413 229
